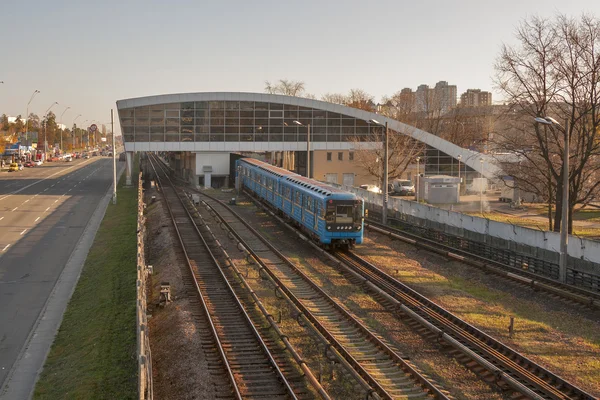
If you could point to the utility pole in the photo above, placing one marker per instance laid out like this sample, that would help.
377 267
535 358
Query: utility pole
114 151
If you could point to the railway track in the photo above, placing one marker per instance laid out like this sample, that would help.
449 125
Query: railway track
239 358
504 365
377 364
522 276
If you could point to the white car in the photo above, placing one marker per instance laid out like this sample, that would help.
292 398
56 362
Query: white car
38 162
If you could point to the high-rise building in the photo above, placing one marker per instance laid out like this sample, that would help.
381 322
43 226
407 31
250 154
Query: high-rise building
440 99
475 98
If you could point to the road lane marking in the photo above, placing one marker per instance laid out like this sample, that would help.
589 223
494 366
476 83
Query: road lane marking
26 201
36 220
41 180
24 230
47 209
14 209
1 218
6 247
46 189
57 199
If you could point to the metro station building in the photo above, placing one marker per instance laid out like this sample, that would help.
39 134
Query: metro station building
202 130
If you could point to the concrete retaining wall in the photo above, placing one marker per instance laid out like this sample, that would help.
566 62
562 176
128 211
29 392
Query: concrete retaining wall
584 254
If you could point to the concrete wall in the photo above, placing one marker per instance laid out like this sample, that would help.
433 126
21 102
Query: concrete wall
584 254
217 160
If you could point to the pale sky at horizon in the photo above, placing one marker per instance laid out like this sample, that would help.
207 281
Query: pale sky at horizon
88 54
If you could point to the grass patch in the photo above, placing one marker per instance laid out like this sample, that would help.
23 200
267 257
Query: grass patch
94 353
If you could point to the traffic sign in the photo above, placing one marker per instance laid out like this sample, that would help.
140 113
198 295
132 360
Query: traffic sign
93 128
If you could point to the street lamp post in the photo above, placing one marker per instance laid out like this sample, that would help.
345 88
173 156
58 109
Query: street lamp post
73 133
27 117
459 181
46 126
418 170
564 223
307 146
481 187
384 208
61 130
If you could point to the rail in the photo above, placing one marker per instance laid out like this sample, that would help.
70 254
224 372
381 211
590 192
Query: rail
144 356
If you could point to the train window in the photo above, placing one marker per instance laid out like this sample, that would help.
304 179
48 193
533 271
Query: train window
297 197
309 203
344 214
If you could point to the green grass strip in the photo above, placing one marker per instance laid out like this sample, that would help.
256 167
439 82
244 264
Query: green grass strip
94 353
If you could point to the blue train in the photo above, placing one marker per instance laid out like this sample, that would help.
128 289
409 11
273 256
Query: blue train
330 216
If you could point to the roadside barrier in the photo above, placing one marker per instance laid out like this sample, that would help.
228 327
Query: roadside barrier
143 343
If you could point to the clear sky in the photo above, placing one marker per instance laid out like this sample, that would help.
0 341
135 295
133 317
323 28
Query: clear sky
88 54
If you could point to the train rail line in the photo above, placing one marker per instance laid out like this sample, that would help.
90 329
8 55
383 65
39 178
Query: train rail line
232 343
375 363
505 365
522 276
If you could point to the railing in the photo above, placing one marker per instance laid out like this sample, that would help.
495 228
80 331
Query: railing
143 343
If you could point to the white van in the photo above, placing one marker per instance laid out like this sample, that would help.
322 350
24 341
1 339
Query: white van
403 187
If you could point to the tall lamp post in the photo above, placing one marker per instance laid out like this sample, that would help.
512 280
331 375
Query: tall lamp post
27 115
73 133
61 130
481 187
418 171
564 223
384 208
307 146
459 181
46 126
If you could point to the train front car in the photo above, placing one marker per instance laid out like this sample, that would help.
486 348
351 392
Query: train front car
344 222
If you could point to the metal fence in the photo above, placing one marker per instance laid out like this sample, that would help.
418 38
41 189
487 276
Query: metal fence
143 343
584 254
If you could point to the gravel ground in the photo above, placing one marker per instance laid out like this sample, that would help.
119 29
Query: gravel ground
562 337
558 335
179 366
425 356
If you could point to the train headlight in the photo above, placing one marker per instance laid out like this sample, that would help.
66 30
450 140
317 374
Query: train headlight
358 228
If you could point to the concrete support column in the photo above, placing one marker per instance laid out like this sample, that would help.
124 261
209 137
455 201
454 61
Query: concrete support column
128 167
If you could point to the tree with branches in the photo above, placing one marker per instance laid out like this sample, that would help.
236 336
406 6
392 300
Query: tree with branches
286 87
402 151
554 71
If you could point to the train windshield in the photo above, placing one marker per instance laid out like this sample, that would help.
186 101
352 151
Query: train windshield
344 214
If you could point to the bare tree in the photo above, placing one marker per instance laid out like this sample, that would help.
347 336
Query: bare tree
555 71
286 87
402 151
336 98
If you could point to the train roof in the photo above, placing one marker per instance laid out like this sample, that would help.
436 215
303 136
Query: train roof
268 167
316 186
311 184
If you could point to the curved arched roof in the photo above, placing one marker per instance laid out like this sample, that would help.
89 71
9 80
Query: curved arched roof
470 158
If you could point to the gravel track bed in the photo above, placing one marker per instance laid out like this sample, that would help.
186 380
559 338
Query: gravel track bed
427 357
179 366
563 337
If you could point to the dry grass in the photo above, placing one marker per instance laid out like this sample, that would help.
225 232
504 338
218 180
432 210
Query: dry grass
562 338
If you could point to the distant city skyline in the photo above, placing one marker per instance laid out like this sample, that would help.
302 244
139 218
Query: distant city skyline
86 55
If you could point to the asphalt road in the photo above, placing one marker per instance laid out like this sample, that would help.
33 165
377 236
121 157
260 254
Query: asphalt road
43 212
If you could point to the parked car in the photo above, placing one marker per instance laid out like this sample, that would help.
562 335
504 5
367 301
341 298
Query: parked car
29 164
86 156
38 162
14 167
403 188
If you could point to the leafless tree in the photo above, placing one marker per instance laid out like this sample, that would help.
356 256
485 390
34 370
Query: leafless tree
402 151
554 71
286 87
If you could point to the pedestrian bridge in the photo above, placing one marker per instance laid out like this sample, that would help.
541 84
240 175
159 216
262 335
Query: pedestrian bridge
205 123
